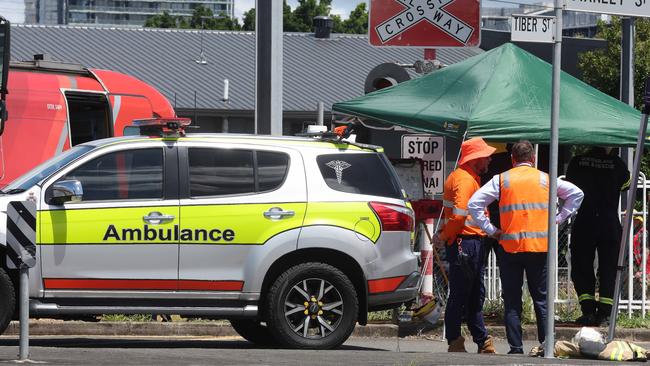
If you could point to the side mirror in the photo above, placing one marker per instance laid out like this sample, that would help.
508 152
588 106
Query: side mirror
66 191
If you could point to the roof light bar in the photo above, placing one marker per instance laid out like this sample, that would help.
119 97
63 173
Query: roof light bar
161 127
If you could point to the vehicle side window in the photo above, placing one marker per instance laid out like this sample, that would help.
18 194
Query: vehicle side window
217 172
358 173
130 174
272 168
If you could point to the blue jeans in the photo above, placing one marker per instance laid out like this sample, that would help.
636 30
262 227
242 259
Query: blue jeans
466 295
512 267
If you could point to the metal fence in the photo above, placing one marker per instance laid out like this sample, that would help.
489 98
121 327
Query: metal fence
636 279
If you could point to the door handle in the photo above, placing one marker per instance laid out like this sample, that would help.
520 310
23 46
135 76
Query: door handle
156 218
277 213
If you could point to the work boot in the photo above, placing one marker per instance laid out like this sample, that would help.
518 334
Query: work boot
602 320
487 346
457 345
587 320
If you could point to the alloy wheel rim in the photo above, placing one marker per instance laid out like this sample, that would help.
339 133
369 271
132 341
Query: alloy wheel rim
313 308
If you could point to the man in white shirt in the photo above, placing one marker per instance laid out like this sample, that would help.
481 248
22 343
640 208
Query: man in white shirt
522 193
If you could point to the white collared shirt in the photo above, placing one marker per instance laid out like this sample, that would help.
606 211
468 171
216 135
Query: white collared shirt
567 191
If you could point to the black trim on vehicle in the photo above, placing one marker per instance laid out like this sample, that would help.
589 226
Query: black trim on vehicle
171 184
183 172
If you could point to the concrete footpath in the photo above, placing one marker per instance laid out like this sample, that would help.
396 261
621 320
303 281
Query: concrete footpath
51 327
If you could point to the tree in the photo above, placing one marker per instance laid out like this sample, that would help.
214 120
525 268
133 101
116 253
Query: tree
601 68
163 20
357 22
249 20
306 11
202 18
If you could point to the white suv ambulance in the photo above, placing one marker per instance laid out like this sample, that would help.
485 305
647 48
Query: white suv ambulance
293 240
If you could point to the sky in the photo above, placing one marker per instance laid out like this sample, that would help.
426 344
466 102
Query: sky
14 9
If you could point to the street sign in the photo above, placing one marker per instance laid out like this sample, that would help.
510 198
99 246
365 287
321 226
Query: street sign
526 28
425 23
633 8
21 234
431 150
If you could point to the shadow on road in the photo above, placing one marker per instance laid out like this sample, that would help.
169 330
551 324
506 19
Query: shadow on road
84 342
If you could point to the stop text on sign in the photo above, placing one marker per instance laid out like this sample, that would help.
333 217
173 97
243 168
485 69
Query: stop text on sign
431 150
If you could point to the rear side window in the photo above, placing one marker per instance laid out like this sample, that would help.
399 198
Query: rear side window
271 169
219 172
359 173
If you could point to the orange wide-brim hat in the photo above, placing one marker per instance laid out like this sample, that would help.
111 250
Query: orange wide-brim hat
474 148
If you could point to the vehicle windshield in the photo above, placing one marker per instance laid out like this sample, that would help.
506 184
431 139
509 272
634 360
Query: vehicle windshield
45 169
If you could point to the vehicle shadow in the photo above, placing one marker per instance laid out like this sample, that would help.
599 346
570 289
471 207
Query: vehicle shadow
162 343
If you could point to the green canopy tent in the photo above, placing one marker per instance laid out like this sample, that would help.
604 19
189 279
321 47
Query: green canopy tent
502 95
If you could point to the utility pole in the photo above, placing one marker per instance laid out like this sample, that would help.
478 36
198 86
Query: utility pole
268 67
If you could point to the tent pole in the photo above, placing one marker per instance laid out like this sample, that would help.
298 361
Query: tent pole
629 209
551 258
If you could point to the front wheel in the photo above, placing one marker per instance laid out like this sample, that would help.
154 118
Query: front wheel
312 305
7 300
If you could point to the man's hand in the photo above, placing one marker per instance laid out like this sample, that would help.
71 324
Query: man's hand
437 242
497 234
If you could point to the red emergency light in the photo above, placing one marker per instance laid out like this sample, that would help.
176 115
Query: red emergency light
162 127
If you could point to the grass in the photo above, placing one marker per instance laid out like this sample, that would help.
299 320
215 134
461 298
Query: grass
380 316
126 318
636 321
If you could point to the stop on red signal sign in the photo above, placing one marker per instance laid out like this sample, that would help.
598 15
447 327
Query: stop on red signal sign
425 23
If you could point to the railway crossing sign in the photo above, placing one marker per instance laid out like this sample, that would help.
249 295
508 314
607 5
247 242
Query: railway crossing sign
425 23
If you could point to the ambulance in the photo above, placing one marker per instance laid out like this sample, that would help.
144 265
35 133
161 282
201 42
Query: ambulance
293 239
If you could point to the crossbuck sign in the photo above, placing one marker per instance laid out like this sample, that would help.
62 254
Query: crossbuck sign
425 23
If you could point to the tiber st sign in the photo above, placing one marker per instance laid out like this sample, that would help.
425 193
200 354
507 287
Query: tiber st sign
425 23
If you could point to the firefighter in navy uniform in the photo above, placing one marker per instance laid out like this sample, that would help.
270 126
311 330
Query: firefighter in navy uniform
602 176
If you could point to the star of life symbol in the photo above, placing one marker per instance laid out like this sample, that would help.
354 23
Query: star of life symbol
338 166
431 11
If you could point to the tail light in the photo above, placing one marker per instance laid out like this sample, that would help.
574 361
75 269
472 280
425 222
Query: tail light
393 217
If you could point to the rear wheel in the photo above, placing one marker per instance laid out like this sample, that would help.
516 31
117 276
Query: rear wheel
253 331
312 305
7 300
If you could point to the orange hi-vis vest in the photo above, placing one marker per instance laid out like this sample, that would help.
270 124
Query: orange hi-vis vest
523 209
459 188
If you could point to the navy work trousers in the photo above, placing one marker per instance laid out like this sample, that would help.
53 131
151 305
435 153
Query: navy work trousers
512 267
466 295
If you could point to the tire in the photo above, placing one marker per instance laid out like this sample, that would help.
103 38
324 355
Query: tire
7 300
253 331
330 314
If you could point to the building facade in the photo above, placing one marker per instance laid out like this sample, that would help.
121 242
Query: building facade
116 12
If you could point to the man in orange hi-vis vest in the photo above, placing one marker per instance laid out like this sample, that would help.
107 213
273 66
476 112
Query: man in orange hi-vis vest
465 249
523 196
